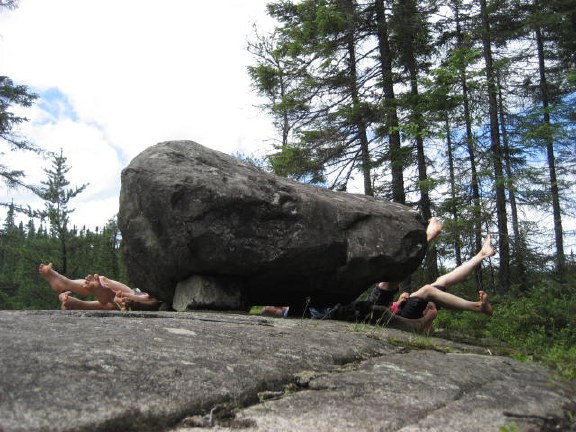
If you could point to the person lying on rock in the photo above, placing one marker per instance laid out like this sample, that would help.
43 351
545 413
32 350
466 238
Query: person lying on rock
409 308
433 230
412 305
110 294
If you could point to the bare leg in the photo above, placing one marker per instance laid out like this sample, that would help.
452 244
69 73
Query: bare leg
60 283
450 301
460 273
275 311
71 303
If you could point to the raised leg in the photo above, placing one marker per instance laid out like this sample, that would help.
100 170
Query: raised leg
460 273
60 283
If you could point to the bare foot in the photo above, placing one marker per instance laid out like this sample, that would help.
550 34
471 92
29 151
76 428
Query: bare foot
72 303
487 249
433 229
64 302
54 279
485 307
428 316
104 294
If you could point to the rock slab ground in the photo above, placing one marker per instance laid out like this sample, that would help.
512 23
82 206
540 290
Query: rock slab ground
193 371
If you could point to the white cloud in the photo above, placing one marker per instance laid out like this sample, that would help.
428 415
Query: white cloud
116 77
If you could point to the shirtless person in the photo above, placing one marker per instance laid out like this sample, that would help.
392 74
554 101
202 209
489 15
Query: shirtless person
110 294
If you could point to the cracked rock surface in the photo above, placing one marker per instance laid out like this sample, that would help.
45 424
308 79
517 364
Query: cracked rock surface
112 371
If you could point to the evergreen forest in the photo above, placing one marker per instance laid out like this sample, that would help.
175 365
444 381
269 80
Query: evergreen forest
463 110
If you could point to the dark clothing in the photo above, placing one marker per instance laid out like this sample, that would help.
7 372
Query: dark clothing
382 297
413 307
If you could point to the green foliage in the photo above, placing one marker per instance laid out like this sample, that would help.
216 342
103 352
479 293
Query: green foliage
540 324
294 161
73 253
22 251
465 114
512 427
13 96
57 196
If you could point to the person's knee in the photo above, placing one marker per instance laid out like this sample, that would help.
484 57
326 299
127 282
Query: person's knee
441 281
424 292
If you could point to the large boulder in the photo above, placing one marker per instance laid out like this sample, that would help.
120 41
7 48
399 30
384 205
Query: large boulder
197 220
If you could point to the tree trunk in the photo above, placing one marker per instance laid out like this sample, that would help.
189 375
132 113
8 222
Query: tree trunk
425 203
497 156
518 241
453 195
417 119
359 120
555 195
391 115
474 178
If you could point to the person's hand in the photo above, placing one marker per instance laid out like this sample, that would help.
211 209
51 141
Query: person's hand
403 297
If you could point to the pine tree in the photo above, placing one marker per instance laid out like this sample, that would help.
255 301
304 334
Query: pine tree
391 127
13 96
56 196
412 38
333 141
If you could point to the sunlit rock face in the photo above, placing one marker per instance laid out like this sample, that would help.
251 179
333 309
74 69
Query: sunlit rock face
195 217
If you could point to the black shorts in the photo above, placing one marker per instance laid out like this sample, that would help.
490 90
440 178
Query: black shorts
413 307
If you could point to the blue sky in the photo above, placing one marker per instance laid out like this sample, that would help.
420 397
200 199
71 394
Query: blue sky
56 105
117 77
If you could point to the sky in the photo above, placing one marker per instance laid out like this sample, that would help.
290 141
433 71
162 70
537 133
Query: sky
115 77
